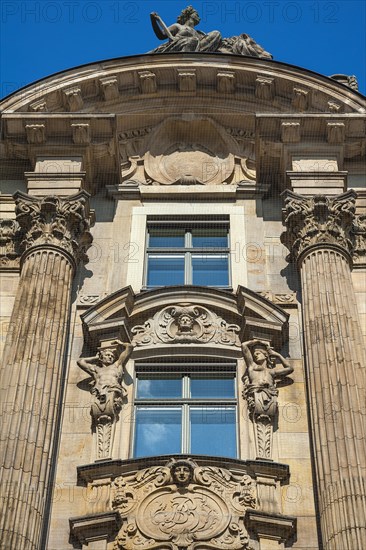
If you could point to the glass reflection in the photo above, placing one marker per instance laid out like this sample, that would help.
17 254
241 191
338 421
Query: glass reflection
213 431
158 431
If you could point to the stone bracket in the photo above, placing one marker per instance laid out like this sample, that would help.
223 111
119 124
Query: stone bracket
271 526
93 527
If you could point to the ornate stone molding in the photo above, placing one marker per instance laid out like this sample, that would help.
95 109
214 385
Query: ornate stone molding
168 155
52 221
260 390
181 505
287 299
9 244
106 370
318 220
186 324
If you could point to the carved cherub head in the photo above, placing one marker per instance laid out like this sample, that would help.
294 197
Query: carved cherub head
187 15
185 322
182 472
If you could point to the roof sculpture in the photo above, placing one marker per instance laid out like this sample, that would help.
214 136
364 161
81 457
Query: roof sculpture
183 37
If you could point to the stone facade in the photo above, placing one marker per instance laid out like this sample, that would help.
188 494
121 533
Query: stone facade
97 158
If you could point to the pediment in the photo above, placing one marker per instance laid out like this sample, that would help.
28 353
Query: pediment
186 315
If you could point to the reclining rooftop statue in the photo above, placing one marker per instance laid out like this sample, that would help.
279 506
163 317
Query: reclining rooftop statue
183 37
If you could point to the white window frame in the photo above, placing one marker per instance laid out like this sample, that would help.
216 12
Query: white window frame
236 216
187 251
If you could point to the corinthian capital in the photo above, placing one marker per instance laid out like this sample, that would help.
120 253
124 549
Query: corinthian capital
54 221
318 220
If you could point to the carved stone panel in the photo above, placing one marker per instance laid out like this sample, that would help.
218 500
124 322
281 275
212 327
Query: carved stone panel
181 505
186 324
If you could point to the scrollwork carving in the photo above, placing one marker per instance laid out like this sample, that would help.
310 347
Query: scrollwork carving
318 220
260 389
185 324
181 505
9 243
51 220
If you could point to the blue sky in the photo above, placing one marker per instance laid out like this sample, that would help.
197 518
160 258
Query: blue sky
41 37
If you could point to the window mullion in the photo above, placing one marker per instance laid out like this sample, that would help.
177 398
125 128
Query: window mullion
186 448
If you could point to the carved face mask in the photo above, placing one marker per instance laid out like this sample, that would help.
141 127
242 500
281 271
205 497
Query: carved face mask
181 475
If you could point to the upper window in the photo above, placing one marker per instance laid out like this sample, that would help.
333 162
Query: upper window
185 412
188 253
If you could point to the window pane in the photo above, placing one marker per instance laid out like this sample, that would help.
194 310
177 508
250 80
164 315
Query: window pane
158 431
166 237
151 388
213 431
209 237
210 270
206 387
165 270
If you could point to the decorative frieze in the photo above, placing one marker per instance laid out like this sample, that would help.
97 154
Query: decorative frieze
186 324
318 220
106 369
148 83
210 503
260 389
52 221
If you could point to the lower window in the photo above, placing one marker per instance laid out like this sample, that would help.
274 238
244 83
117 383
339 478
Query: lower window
190 413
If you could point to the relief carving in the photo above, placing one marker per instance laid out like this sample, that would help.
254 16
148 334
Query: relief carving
286 299
167 155
50 220
106 369
183 506
319 220
260 389
9 243
186 324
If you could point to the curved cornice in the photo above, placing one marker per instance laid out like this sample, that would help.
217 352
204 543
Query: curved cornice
264 85
115 315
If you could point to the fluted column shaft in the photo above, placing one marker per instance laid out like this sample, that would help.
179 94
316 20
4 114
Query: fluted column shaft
336 378
34 361
319 232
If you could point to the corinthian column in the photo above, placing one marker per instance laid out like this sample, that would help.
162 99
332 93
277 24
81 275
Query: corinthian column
320 235
54 235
